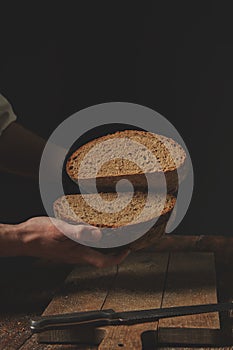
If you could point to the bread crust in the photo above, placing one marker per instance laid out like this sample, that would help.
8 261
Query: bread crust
156 230
108 182
174 171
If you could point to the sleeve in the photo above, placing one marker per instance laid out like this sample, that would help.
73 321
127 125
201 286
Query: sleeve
7 114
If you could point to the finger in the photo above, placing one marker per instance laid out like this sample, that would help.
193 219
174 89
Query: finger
80 232
86 233
90 233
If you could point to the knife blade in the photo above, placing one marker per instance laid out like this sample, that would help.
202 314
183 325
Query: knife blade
109 317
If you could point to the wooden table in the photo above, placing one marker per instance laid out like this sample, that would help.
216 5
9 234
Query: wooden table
28 287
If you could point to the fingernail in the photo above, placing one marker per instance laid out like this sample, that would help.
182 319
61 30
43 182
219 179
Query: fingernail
95 235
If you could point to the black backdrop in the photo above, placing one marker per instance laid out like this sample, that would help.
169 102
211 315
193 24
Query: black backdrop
175 57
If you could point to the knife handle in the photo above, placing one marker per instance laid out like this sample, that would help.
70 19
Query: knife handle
94 318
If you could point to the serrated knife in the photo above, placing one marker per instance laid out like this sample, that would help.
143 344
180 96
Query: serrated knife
109 317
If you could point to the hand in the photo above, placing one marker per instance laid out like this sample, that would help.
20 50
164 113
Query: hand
41 238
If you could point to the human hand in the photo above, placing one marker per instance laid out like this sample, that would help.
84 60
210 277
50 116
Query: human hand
40 237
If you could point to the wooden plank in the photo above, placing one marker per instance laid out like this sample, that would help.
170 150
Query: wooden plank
224 268
191 280
139 285
84 289
190 337
199 243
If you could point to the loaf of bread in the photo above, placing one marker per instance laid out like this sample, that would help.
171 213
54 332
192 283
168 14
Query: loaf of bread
138 208
169 154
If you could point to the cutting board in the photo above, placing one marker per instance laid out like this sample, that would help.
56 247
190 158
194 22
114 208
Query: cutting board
144 280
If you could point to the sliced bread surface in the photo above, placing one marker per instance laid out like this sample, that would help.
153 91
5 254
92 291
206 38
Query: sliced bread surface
140 211
135 164
77 208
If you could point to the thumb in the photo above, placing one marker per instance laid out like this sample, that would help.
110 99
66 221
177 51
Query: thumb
81 232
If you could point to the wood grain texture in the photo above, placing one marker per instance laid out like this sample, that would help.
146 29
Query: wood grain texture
139 285
84 289
191 280
198 243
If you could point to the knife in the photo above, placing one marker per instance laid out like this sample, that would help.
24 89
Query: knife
110 317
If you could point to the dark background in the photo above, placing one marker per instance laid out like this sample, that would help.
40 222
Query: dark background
174 57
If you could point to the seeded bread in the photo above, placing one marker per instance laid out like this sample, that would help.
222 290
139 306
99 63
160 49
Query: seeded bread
169 154
138 210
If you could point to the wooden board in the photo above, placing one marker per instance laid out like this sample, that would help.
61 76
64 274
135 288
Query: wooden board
144 280
89 288
139 285
191 280
84 289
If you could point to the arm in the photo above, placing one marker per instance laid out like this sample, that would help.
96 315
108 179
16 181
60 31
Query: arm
39 237
20 151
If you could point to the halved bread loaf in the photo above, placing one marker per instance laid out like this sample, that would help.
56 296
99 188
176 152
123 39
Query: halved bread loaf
102 210
107 151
